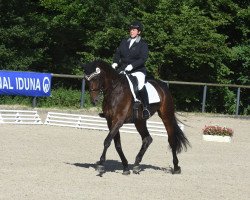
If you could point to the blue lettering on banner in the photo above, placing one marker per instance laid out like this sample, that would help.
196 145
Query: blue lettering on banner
25 83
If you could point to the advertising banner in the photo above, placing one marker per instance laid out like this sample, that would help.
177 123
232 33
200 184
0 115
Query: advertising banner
25 83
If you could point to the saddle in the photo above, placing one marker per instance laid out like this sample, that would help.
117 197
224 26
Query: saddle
153 96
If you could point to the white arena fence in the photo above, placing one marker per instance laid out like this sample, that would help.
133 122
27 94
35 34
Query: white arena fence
98 123
19 117
75 121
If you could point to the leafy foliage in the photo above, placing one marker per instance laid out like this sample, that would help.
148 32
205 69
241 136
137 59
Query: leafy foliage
186 38
64 98
60 98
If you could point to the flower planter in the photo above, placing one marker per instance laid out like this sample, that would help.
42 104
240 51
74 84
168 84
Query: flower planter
217 138
217 134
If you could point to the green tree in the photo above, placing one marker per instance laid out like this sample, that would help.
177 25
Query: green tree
186 38
22 35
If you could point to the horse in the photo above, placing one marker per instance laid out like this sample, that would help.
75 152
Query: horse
117 108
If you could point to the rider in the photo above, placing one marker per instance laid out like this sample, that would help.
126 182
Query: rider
131 56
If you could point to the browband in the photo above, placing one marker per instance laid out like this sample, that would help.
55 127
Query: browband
89 77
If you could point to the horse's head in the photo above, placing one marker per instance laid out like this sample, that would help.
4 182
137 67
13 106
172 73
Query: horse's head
95 85
94 75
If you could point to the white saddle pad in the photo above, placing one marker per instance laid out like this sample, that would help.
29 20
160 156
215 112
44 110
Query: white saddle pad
153 96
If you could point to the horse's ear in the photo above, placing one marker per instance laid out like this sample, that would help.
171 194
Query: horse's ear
86 67
97 71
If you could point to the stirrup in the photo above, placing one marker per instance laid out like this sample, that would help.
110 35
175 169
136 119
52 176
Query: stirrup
145 113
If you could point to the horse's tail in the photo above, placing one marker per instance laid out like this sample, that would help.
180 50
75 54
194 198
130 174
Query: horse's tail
181 142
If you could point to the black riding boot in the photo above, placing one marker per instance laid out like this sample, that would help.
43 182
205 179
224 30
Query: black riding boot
144 98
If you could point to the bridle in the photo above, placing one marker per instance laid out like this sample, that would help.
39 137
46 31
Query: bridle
90 77
94 74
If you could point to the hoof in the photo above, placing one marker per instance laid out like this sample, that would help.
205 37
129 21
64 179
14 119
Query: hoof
125 172
100 169
98 163
177 170
136 169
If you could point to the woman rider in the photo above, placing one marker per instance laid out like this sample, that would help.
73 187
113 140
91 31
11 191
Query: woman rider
131 56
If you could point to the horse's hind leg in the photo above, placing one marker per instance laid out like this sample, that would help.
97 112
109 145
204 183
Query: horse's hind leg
117 141
170 124
146 141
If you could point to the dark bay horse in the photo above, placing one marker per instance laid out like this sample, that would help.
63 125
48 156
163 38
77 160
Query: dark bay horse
117 108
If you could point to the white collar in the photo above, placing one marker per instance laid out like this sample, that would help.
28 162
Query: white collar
137 39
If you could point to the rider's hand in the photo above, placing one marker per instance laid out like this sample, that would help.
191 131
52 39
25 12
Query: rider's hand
129 68
114 65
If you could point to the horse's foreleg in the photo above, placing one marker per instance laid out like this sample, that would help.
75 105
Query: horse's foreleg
118 147
100 164
106 145
113 131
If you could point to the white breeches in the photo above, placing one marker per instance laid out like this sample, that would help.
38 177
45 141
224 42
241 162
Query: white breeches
141 79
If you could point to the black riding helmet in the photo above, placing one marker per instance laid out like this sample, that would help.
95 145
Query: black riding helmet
136 25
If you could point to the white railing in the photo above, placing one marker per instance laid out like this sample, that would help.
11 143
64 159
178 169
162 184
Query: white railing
19 117
74 120
98 123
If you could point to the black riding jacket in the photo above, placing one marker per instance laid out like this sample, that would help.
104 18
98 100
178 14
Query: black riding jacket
136 55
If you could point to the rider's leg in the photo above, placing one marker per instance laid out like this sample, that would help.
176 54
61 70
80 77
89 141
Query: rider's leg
143 93
144 98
